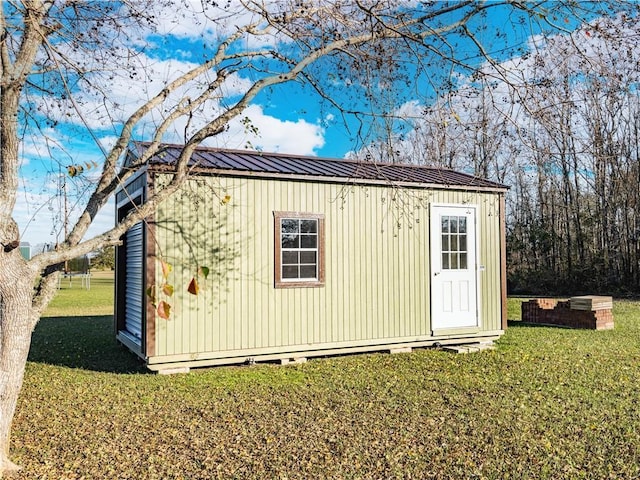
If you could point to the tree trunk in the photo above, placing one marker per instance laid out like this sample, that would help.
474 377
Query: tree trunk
17 320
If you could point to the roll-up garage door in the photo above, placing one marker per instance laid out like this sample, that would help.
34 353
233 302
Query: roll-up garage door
134 291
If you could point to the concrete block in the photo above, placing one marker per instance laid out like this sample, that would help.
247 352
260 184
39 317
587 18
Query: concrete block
400 350
173 371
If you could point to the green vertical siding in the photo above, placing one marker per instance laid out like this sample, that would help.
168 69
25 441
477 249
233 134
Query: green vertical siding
377 266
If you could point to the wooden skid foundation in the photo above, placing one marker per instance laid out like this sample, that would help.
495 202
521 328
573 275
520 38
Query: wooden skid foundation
298 357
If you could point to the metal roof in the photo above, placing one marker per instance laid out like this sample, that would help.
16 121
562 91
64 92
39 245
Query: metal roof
277 165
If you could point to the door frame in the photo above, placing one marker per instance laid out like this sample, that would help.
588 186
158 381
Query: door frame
437 329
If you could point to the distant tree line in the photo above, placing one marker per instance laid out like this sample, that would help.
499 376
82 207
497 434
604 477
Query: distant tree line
561 126
104 259
575 218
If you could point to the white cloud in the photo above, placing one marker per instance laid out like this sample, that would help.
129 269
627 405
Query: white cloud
39 208
206 21
273 135
410 110
102 112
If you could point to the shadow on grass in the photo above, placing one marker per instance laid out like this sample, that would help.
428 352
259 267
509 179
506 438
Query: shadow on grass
521 324
516 323
82 342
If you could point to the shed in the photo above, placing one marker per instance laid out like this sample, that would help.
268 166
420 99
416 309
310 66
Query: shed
307 257
25 250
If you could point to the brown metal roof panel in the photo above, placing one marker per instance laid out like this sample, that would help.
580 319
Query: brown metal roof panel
318 167
228 160
264 163
430 175
379 171
252 162
347 169
396 173
335 168
310 166
441 176
447 177
233 161
314 166
166 157
270 163
202 159
361 170
465 179
427 175
274 164
169 156
291 165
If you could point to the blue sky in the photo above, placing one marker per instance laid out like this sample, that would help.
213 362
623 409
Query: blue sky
289 118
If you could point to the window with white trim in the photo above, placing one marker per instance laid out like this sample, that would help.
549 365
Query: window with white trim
299 245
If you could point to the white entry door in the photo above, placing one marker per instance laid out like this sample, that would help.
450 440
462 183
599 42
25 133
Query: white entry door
454 293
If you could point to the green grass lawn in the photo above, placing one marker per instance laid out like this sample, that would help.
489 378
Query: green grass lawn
547 403
74 300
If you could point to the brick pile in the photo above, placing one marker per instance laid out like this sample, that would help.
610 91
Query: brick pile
547 311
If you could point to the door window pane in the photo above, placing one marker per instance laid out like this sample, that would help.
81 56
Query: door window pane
454 242
445 261
463 261
445 224
462 243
